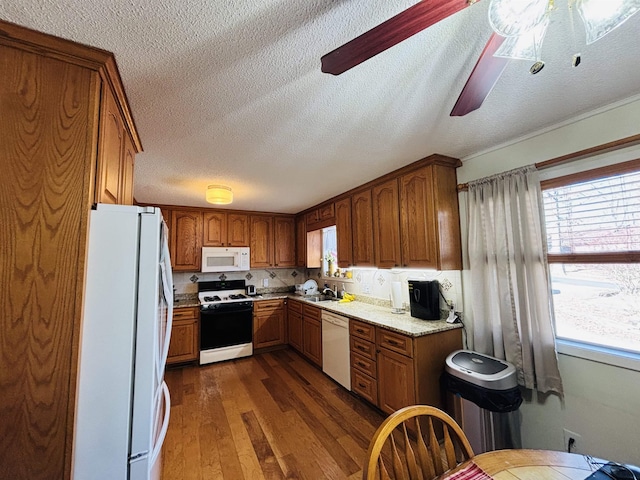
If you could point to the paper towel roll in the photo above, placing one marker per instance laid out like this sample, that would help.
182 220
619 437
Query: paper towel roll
396 295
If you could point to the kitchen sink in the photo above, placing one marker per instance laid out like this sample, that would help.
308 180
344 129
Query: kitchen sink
322 298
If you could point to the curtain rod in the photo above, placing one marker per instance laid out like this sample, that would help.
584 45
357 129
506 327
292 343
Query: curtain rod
580 154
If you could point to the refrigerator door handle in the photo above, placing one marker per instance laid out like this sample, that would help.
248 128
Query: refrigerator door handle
165 424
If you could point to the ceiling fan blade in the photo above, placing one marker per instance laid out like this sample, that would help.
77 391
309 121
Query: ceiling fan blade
482 79
404 25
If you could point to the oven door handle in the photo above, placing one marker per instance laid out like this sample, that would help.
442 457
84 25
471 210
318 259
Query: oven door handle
225 311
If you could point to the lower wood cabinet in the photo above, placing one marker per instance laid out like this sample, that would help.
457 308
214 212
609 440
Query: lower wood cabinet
184 345
294 324
305 330
268 323
392 370
312 334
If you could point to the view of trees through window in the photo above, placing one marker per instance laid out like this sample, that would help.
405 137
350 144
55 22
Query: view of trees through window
593 237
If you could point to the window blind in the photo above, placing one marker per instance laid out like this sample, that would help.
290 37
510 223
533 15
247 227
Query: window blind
594 216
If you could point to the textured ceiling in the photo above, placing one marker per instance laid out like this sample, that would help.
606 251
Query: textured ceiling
231 91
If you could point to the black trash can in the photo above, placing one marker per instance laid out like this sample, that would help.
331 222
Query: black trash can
483 397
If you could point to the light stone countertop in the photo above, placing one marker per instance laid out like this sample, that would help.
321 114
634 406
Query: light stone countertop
365 312
375 315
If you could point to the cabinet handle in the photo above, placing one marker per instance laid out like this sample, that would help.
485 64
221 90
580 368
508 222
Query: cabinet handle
393 342
361 385
360 347
360 364
359 330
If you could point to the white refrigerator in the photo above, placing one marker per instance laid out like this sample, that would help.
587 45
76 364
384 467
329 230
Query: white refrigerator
123 404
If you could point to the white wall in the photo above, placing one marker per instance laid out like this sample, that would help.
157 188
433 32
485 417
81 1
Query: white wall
602 402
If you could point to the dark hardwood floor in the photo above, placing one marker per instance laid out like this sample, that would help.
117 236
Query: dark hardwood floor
269 416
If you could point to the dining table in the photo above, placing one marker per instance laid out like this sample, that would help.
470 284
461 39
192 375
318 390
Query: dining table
525 464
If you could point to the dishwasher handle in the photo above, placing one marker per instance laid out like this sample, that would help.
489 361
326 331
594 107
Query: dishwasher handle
336 320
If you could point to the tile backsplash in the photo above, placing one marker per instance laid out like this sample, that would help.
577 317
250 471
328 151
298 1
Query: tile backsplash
187 282
376 283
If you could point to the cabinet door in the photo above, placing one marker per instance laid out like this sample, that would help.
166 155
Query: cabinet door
312 339
301 242
215 229
362 229
110 149
237 230
343 232
268 327
295 329
186 240
261 241
386 224
419 243
396 382
184 342
284 235
126 177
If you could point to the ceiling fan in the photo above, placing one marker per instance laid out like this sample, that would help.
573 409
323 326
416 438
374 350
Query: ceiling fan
519 27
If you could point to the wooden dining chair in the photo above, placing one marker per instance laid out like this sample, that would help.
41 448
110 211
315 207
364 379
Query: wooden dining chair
406 446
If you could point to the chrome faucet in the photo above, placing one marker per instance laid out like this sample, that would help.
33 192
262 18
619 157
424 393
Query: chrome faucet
327 291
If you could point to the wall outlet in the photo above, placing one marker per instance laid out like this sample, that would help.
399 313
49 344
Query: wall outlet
366 288
572 441
265 282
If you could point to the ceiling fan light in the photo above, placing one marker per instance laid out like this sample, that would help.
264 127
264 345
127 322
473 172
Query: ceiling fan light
513 18
603 16
219 195
525 47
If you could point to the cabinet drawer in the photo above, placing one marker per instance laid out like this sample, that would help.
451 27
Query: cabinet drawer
363 347
395 342
362 330
185 313
364 364
294 306
364 386
311 312
267 305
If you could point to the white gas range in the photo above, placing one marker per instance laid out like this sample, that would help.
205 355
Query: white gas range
226 321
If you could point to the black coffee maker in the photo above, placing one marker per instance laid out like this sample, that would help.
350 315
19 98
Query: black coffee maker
424 299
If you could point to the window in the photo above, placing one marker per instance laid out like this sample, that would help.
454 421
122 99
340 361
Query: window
593 239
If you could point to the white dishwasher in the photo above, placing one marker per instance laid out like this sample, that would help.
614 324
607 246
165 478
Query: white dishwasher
336 360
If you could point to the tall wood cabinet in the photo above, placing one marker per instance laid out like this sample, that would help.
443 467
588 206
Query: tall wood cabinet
261 231
114 180
284 246
53 96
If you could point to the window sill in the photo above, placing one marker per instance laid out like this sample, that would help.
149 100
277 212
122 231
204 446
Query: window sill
616 358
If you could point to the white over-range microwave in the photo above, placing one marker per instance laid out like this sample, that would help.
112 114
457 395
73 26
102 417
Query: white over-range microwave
225 259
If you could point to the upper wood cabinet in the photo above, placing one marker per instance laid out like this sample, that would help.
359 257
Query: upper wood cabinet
284 235
343 232
386 224
321 217
261 232
429 219
301 242
407 218
116 154
186 239
54 144
362 229
222 229
238 230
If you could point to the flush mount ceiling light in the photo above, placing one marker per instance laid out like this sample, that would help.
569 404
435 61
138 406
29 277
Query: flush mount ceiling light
523 23
219 195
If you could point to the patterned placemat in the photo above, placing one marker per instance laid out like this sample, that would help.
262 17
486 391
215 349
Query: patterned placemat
470 472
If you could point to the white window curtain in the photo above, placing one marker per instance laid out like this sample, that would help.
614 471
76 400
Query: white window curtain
511 298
